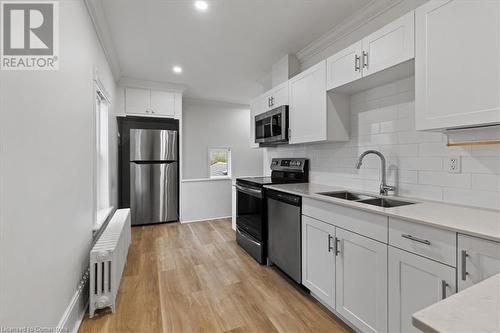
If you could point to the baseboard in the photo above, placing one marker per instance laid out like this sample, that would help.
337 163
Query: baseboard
73 316
208 219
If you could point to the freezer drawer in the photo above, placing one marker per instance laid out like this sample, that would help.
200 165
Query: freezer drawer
153 192
153 145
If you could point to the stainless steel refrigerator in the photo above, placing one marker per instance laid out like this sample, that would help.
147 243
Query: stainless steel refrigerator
154 176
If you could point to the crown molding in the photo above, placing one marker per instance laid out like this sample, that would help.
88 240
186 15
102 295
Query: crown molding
126 81
96 13
361 17
193 100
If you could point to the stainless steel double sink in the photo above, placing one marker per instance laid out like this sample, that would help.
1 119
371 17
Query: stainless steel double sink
367 199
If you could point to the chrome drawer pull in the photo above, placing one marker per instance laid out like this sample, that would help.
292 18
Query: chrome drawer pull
413 238
444 285
464 265
330 248
357 63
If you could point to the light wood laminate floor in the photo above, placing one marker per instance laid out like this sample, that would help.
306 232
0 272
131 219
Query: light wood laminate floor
194 278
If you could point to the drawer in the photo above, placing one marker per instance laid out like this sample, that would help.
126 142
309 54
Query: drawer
358 221
430 242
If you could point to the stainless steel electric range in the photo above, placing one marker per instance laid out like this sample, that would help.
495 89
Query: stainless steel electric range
251 208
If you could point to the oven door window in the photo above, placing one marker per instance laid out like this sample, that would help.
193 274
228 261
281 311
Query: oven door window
249 214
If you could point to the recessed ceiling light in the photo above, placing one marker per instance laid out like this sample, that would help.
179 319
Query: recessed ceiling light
201 5
177 69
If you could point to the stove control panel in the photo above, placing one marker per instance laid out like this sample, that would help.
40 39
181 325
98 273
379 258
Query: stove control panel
294 164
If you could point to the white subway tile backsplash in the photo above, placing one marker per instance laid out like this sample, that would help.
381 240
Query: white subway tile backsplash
383 119
481 165
486 182
444 179
421 163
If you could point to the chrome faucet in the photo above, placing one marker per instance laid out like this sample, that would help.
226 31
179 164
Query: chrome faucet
384 188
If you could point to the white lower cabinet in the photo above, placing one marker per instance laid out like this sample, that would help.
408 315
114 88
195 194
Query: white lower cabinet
361 281
478 259
415 282
318 259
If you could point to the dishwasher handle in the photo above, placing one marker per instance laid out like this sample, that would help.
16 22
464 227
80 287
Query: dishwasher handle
290 199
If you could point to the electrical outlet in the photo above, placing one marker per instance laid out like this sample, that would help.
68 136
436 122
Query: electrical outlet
454 164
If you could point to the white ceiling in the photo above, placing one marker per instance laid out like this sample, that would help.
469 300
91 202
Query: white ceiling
224 51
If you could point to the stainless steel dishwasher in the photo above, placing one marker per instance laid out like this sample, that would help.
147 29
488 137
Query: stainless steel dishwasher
284 228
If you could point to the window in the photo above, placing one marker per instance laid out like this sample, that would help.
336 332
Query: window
219 162
102 158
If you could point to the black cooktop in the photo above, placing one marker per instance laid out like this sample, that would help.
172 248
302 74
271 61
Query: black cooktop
283 171
261 181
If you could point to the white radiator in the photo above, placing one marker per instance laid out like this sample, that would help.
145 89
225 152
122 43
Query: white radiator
107 261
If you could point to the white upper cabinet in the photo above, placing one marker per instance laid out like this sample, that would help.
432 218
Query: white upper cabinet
151 102
278 96
271 99
478 259
162 103
318 259
457 64
414 284
137 101
344 66
308 105
389 46
361 281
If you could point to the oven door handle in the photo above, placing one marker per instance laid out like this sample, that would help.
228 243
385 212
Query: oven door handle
249 191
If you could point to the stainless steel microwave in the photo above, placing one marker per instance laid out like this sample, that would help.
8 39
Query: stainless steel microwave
271 127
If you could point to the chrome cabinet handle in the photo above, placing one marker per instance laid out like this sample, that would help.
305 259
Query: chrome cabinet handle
330 248
444 285
365 59
416 239
464 265
337 243
357 63
268 102
272 101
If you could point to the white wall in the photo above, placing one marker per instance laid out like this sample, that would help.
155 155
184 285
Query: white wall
209 124
46 199
206 199
212 124
383 118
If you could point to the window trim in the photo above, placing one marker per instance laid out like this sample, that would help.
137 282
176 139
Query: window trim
100 214
229 163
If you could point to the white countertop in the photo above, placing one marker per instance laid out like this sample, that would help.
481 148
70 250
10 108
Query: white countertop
484 223
475 309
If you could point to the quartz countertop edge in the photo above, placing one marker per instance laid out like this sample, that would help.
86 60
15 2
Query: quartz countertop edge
475 309
483 223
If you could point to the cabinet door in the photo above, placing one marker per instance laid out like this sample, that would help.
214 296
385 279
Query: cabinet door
279 95
344 66
415 283
478 259
318 259
137 101
307 108
389 46
457 64
361 281
162 103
